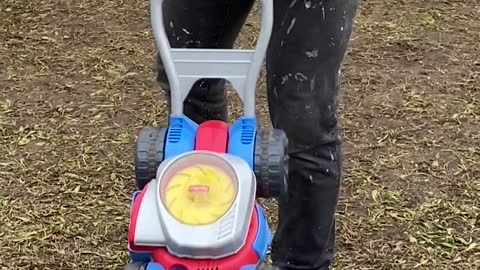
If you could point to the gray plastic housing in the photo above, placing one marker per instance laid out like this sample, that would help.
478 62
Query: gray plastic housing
186 66
156 227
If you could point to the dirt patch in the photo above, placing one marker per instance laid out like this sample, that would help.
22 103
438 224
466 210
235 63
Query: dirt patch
77 84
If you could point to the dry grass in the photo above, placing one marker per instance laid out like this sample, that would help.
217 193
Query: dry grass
76 85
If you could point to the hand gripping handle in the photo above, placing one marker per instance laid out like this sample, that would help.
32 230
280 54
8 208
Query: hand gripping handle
186 66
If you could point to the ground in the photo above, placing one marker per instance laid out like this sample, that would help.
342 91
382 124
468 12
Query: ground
77 85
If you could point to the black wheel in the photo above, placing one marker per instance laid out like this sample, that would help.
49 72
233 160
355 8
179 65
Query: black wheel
149 155
271 162
135 266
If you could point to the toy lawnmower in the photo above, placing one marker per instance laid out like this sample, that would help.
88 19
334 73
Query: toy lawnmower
196 206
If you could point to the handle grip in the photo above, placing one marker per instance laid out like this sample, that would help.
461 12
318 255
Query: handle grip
185 66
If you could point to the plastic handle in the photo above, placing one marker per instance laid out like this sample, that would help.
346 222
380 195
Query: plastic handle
185 66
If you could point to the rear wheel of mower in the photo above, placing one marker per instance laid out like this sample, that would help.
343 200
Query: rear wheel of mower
149 155
271 163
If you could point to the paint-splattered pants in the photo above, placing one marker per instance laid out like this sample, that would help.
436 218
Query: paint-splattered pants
307 48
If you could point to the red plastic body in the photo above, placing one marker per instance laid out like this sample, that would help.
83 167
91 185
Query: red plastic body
211 136
133 222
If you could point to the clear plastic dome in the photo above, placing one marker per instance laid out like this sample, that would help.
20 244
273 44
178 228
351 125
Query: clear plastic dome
199 188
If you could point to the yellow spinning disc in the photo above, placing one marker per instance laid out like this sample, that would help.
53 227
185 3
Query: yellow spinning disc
200 194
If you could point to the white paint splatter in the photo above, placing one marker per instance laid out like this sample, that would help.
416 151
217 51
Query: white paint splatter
331 156
312 54
275 93
186 31
312 83
171 24
311 178
318 4
284 19
341 28
323 12
292 3
300 77
292 23
286 78
308 4
332 43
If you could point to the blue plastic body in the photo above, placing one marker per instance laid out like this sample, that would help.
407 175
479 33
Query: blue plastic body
241 139
154 266
249 267
264 235
180 136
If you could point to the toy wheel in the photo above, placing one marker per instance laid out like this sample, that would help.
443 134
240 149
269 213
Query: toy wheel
135 266
271 162
149 155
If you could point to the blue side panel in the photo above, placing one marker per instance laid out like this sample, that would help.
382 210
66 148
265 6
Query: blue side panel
241 140
134 197
180 136
154 266
264 236
140 256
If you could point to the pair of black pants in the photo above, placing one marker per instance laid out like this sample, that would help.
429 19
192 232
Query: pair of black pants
306 50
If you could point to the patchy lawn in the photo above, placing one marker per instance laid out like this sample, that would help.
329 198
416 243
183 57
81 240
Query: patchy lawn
77 85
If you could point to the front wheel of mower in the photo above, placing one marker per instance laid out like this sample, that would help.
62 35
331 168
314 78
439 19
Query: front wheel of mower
271 163
149 155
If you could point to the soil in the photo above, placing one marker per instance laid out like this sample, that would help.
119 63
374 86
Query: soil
77 85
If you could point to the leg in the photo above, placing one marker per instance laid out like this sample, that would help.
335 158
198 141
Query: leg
203 24
303 63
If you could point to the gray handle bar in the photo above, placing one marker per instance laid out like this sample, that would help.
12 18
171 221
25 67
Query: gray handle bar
186 66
